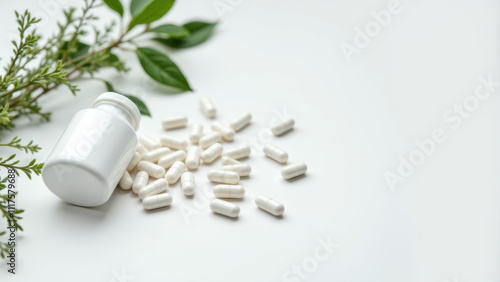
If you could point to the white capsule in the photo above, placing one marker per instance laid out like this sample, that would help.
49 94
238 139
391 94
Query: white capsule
141 180
238 152
134 161
195 133
211 153
207 107
275 153
210 139
174 122
155 155
269 205
168 160
187 183
293 170
157 201
149 143
152 169
225 208
173 142
126 181
154 188
240 121
228 161
229 191
174 172
241 169
226 131
193 157
141 150
282 126
223 176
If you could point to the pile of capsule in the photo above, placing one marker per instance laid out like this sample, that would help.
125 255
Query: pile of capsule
168 159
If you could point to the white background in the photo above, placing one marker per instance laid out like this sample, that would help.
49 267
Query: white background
353 121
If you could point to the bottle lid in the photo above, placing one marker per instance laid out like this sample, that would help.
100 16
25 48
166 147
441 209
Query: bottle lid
124 102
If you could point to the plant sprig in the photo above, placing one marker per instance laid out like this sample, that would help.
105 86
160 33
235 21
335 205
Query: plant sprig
16 143
79 49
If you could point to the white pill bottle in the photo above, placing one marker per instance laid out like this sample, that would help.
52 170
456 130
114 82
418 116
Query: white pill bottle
93 152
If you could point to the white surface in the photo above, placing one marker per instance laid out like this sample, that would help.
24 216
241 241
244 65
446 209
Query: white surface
353 121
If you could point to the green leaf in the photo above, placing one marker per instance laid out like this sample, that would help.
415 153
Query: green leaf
162 69
148 11
172 30
79 49
112 58
115 5
143 109
199 32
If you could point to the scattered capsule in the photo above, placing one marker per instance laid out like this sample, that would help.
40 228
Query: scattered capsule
155 155
240 121
275 153
168 160
282 126
174 172
154 188
211 153
126 181
149 142
173 142
229 191
152 169
293 170
195 133
210 139
157 201
141 150
207 107
223 176
134 161
193 157
238 152
225 208
241 169
269 205
228 161
174 122
187 183
226 132
141 180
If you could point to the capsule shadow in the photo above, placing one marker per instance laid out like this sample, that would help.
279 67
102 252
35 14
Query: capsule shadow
226 217
159 209
296 178
281 217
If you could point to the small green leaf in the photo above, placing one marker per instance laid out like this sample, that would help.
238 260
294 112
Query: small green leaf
79 49
112 58
172 30
199 32
109 86
162 69
115 5
148 11
143 109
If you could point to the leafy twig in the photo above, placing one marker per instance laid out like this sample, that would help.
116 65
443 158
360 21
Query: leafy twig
15 143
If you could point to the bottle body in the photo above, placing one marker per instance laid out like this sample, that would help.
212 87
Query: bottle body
90 157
